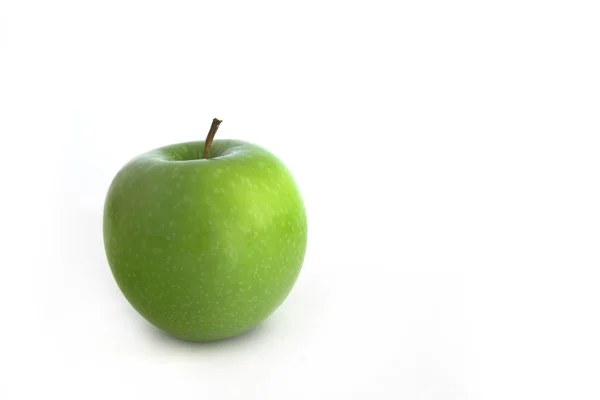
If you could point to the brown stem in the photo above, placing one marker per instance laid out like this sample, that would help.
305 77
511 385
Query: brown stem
211 135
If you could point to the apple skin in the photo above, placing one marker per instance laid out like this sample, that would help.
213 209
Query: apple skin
205 249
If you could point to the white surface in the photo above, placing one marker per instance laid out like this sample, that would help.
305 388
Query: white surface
448 153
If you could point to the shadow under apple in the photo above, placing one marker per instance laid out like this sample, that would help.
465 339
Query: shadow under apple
164 340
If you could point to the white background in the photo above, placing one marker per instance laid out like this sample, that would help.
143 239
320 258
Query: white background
449 157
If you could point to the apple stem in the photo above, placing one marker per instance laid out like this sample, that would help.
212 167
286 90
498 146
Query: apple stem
211 135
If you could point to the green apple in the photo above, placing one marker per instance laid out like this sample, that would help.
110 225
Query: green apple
205 239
